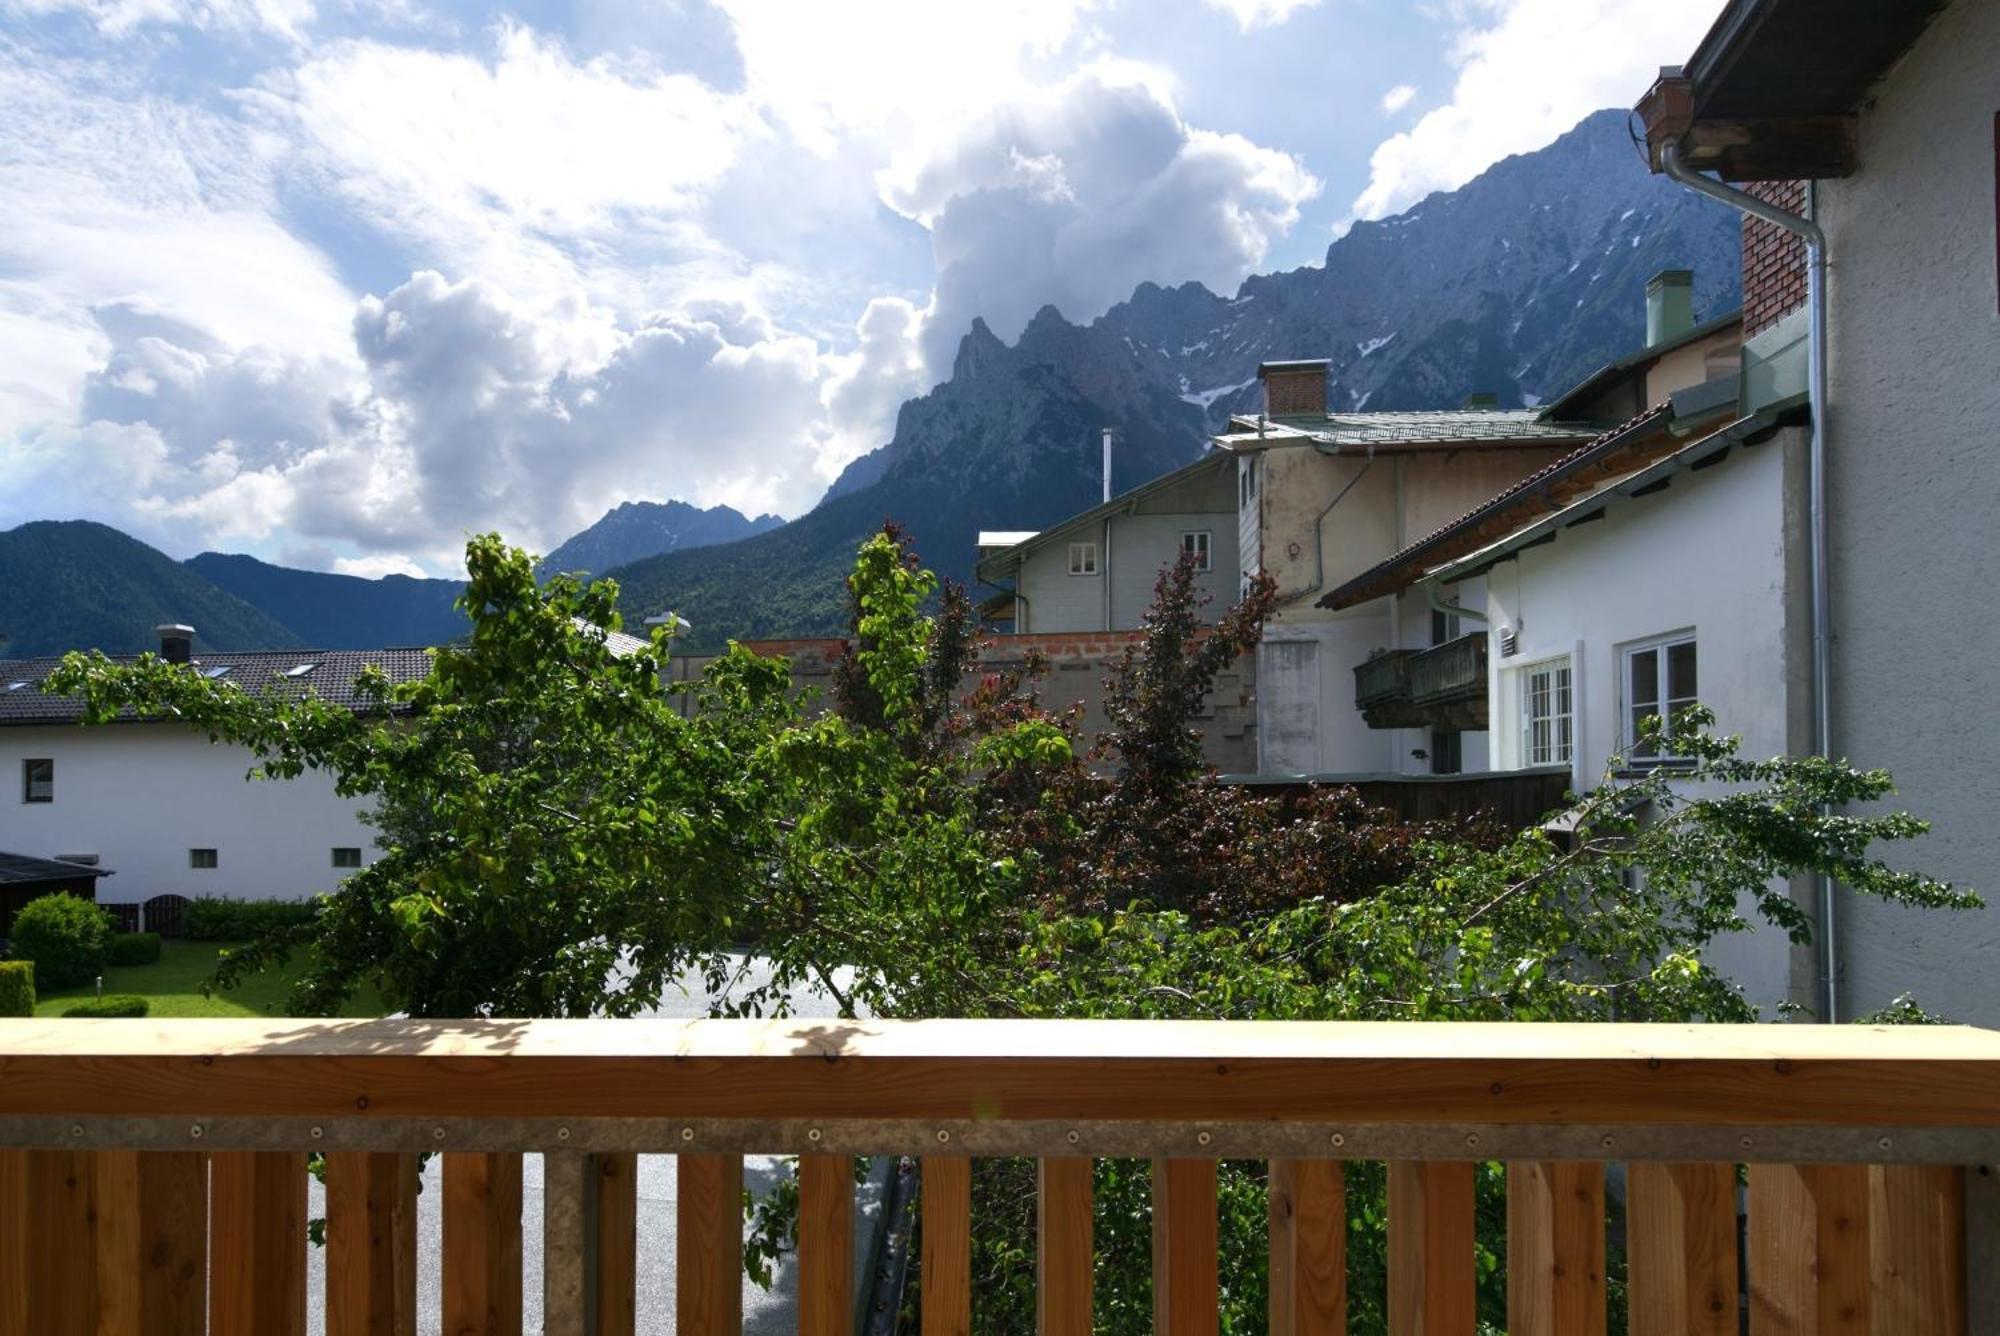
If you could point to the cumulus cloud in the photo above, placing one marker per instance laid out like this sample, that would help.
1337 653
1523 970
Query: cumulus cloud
1077 194
115 18
1527 71
1262 13
1397 98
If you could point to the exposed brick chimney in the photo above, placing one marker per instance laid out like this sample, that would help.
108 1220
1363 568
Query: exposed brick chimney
1669 306
1294 388
176 641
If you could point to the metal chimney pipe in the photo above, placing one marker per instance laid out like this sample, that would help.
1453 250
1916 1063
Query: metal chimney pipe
1107 463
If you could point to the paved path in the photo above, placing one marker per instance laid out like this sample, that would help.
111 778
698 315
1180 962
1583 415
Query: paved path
765 1312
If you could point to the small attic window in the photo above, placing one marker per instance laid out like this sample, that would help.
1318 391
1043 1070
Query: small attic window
220 670
16 686
300 670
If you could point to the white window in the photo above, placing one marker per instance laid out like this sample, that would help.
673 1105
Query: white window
346 856
202 858
1246 481
1659 679
38 780
1083 558
1198 543
1546 713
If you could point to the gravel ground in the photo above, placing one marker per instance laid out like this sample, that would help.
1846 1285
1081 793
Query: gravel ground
765 1312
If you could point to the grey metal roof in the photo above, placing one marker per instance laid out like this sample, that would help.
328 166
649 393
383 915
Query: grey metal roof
331 677
1443 428
27 870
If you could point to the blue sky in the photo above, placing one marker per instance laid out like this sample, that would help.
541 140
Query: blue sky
340 281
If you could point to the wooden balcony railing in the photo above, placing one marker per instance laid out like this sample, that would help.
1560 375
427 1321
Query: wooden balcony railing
1448 683
1382 690
140 1157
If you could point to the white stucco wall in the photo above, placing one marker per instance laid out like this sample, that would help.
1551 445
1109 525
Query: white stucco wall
1914 487
1708 557
139 796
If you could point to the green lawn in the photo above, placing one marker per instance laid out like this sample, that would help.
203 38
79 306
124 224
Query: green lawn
174 986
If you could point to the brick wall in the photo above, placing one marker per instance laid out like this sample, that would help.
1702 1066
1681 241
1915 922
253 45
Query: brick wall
1774 260
1291 393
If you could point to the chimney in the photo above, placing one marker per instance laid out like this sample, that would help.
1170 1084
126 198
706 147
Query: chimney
1482 402
1107 463
1669 306
1294 388
176 641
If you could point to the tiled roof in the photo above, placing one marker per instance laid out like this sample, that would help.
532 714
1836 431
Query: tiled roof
331 677
1439 427
1438 545
27 870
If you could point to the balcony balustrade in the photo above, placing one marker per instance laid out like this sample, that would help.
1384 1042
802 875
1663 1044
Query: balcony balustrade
1441 687
1382 690
152 1174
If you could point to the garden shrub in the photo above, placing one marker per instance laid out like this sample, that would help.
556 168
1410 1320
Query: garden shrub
17 988
66 936
134 948
111 1005
211 919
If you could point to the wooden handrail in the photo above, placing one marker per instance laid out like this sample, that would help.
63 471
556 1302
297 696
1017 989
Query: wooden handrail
137 1157
1801 1075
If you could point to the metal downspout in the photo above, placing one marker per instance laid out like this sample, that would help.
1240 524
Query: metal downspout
1822 601
1319 536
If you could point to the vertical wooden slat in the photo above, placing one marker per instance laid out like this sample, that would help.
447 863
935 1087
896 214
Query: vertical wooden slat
152 1243
708 1245
371 1244
1308 1248
826 1245
1916 1236
566 1281
50 1254
1431 1290
1555 1248
1064 1247
257 1244
1185 1293
1809 1263
13 1243
946 1305
1680 1225
482 1244
615 1238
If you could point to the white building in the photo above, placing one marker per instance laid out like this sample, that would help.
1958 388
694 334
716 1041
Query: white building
165 810
1096 571
1889 110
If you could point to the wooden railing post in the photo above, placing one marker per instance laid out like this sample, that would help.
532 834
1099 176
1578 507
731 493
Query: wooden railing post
1680 1225
152 1243
946 1302
826 1245
1809 1262
614 1243
1185 1293
482 1244
371 1244
48 1243
1431 1283
708 1245
1555 1248
1917 1240
1064 1247
1308 1248
257 1243
13 1243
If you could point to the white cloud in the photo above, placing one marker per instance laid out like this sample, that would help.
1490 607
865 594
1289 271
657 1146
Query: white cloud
1076 194
116 18
1527 71
1262 13
1397 98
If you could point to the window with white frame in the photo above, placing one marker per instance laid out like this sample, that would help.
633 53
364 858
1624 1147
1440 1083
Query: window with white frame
1197 543
1247 481
1083 558
1547 714
346 855
1659 679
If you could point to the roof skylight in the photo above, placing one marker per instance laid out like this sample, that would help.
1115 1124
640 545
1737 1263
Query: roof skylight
220 670
300 670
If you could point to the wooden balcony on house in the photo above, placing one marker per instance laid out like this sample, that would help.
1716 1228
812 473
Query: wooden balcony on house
1448 683
140 1158
1440 687
1382 690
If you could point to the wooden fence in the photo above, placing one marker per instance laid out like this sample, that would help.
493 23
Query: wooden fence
153 1182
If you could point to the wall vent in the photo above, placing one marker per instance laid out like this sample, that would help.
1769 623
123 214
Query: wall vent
1510 642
